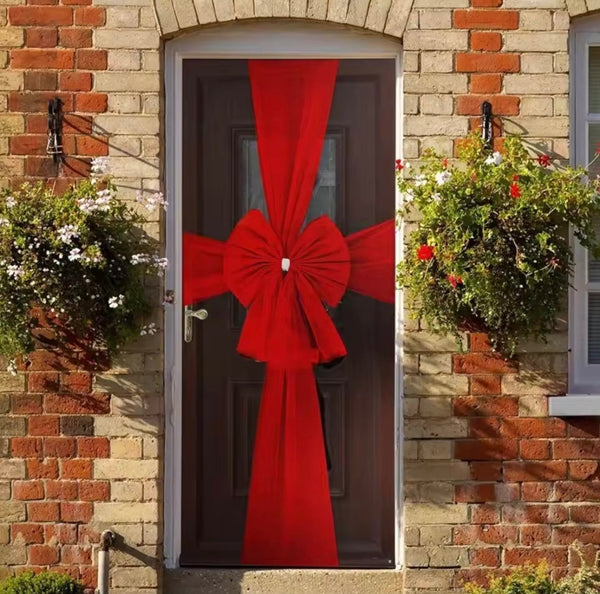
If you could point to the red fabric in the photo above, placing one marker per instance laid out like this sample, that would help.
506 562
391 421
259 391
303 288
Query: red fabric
289 519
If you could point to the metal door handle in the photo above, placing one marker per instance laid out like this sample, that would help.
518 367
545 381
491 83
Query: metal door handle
189 316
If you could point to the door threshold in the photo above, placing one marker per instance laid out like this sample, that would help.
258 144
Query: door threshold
283 581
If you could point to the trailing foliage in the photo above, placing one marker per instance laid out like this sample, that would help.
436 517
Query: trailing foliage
42 583
79 257
491 249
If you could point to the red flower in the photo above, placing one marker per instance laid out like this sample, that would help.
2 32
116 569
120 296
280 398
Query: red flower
445 163
515 191
544 160
399 166
598 149
515 177
425 252
454 280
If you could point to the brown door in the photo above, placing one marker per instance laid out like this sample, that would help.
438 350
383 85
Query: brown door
221 390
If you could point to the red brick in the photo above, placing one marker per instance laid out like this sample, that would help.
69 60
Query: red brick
534 427
25 404
76 2
38 101
585 514
486 449
550 470
33 15
77 404
501 104
42 468
94 490
479 342
555 557
464 535
487 63
486 471
484 427
485 83
77 382
76 555
60 533
527 513
77 124
63 490
485 557
28 145
88 576
41 167
76 469
486 3
43 381
535 449
91 102
63 59
485 384
93 447
569 534
487 42
43 512
42 555
91 59
88 145
535 535
87 535
94 17
41 37
28 490
43 425
474 493
76 167
29 533
536 491
486 19
75 81
26 447
486 406
583 427
42 360
482 362
75 37
40 80
59 447
580 470
76 512
485 514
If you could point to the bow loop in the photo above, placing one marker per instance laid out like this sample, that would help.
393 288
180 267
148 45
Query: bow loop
286 322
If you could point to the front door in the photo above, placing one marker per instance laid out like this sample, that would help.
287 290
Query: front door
221 389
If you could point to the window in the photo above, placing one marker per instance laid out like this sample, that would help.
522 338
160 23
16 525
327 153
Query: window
584 326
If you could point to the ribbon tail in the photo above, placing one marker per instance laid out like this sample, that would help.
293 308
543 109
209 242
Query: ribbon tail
289 520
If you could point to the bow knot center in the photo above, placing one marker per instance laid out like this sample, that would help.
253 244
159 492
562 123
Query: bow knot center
285 264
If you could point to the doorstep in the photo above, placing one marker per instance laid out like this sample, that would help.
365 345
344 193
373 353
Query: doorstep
283 581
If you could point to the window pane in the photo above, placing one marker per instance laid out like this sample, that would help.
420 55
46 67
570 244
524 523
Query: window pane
594 328
593 263
594 79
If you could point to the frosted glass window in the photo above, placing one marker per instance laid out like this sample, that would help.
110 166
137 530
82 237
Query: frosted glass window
594 79
594 328
593 263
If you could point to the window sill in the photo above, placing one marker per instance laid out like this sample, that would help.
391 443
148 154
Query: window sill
574 405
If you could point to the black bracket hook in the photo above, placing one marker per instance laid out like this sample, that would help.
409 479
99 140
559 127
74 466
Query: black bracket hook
486 123
55 120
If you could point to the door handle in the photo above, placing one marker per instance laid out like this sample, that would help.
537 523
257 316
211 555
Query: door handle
189 315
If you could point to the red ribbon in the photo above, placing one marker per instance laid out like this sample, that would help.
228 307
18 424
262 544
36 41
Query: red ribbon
289 519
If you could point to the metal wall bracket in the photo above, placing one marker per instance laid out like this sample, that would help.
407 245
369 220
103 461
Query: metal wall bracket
486 123
55 119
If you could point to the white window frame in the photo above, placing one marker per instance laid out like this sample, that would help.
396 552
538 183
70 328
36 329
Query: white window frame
583 398
245 40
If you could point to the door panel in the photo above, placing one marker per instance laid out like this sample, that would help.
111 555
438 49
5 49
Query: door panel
221 390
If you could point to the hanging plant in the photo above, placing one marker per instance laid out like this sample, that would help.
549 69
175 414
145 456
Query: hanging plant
76 262
491 248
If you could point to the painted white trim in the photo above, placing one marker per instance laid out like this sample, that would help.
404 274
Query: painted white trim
279 39
584 379
574 405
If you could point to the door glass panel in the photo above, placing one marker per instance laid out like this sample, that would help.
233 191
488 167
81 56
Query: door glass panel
594 79
324 196
593 328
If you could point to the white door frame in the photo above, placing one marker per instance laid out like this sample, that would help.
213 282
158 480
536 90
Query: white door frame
245 40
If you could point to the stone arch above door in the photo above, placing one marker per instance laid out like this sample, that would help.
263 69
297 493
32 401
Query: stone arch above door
382 16
579 7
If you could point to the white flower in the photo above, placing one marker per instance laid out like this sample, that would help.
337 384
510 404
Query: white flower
441 177
99 165
436 197
15 271
4 222
407 165
161 263
141 258
420 180
408 196
149 329
100 202
114 302
153 201
494 159
74 254
67 233
12 367
10 202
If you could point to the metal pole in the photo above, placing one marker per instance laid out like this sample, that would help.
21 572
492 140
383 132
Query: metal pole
106 541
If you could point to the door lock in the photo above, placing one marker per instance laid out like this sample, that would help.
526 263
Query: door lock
189 316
